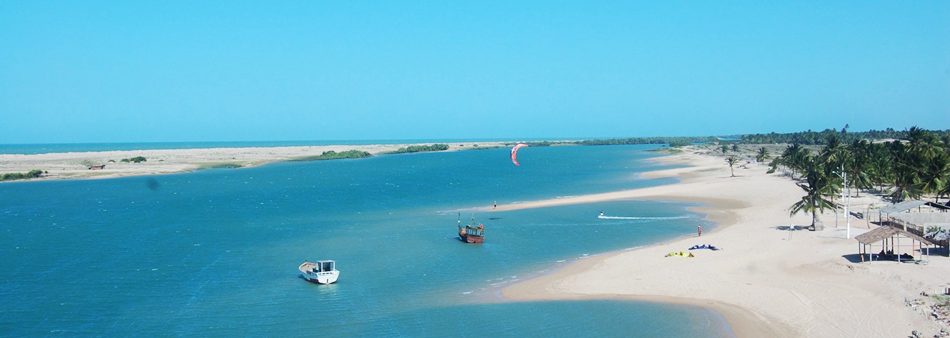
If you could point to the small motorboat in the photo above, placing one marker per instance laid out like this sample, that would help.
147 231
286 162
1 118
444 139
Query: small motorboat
321 272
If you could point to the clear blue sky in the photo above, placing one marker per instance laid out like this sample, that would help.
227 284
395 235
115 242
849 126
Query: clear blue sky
137 71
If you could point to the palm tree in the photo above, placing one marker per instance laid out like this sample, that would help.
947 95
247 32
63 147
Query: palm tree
858 165
933 175
735 147
732 161
797 158
724 148
881 165
834 154
904 173
945 191
762 155
817 185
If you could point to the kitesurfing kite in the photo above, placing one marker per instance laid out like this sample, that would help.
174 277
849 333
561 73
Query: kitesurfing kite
514 153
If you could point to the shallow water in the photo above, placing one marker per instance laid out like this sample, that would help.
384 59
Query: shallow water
215 252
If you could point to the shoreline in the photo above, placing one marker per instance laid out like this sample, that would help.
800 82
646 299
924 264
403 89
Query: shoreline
75 165
765 281
741 322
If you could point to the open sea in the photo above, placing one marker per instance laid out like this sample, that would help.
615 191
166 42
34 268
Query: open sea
215 252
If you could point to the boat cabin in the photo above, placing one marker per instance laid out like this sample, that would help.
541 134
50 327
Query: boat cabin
324 266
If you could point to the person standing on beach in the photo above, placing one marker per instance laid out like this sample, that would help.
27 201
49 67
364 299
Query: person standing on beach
699 230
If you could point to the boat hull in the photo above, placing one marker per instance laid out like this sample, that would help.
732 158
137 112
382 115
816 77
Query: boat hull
472 239
329 277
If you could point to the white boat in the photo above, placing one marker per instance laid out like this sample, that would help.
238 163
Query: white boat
321 272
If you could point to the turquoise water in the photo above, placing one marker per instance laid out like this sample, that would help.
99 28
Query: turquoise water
215 252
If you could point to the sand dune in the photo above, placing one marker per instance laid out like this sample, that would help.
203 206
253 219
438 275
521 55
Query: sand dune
165 161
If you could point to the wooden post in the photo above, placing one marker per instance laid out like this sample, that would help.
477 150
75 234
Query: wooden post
897 250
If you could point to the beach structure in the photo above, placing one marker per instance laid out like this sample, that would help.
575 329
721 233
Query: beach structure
889 238
910 207
917 217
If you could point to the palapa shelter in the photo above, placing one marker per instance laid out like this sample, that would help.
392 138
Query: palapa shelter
902 206
890 240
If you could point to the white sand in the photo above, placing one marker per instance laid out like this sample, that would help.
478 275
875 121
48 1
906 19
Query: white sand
766 282
165 161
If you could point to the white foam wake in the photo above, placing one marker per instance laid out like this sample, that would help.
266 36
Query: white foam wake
635 217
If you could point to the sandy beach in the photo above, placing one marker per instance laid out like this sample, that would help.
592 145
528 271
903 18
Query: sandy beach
766 281
74 165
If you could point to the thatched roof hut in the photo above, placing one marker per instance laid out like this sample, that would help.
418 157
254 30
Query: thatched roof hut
890 237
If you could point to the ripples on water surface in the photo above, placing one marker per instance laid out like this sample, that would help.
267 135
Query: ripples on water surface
215 252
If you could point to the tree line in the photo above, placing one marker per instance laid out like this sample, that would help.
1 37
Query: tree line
675 141
912 166
819 137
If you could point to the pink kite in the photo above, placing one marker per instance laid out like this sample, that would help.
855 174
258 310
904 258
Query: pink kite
514 153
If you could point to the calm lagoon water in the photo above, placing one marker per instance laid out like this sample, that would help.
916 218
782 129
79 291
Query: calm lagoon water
215 252
27 148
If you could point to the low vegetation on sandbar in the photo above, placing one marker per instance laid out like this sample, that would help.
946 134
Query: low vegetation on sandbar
222 165
422 148
21 176
137 159
332 155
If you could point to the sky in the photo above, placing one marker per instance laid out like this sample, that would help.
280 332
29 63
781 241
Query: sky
164 71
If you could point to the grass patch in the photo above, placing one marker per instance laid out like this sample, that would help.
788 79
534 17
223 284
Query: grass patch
667 150
223 165
942 300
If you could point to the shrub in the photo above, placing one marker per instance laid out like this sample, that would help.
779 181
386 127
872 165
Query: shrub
332 155
21 176
417 149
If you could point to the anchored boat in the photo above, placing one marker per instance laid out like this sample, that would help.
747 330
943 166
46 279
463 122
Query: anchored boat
472 233
321 272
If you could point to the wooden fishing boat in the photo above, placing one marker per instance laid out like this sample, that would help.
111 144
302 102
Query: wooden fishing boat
473 233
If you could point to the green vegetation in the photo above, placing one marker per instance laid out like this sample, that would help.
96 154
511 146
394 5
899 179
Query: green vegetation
672 141
418 149
137 159
667 150
677 142
819 137
222 165
762 154
21 176
914 166
732 160
819 186
332 155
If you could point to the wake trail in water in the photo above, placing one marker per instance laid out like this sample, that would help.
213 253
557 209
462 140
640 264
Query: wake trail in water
642 218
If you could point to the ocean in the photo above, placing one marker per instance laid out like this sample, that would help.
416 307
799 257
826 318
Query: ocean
215 252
